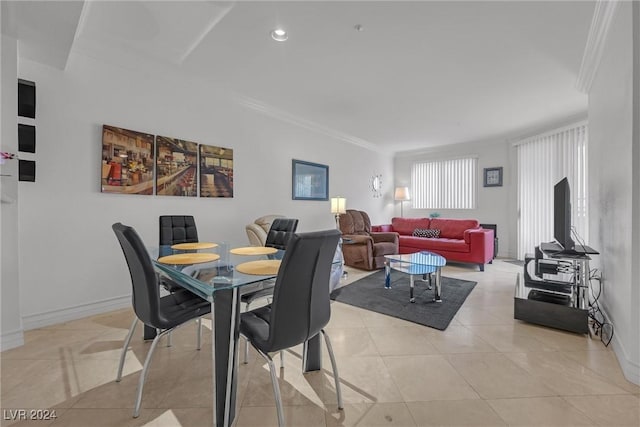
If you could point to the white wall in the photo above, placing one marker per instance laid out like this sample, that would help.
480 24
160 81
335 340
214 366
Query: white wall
10 321
70 261
614 181
495 204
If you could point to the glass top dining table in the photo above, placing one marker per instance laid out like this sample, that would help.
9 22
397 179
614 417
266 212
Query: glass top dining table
220 283
207 278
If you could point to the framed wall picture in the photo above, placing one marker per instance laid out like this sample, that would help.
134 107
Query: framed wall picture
216 171
493 177
127 161
176 167
309 181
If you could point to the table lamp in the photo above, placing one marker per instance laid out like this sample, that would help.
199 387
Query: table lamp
338 206
402 195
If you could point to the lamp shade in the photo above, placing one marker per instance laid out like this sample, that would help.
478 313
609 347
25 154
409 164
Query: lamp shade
338 205
402 193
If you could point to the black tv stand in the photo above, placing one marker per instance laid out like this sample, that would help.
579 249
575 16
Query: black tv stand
557 294
554 248
551 247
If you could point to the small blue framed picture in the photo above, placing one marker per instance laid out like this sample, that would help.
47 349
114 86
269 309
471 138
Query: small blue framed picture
309 181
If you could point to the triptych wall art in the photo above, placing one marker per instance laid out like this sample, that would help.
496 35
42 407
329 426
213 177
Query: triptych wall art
139 163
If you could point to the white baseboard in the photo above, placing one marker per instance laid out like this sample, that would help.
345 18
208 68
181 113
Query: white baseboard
630 368
12 339
47 318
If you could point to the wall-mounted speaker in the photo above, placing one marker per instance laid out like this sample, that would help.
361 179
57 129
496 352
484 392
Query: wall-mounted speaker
26 98
26 138
27 170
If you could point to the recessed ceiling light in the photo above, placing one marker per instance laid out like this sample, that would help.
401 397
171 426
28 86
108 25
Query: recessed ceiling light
279 35
358 27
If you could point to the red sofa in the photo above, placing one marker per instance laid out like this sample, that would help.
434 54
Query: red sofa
460 239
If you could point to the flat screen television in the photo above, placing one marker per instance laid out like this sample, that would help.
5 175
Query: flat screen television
562 214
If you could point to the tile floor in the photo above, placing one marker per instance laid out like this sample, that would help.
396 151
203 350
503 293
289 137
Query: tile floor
485 369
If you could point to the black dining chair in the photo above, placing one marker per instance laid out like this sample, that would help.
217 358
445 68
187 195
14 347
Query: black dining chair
173 229
177 229
300 308
281 231
161 313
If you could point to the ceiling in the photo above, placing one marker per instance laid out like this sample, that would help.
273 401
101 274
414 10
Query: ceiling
419 74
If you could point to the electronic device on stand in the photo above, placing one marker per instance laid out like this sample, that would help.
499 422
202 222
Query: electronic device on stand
554 291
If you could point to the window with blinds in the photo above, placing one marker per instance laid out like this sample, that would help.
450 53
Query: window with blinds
445 184
544 160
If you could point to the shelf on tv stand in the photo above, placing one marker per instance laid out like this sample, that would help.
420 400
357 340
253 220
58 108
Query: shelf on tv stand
545 308
555 303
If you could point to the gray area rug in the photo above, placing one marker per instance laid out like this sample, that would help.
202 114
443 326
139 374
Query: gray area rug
515 262
369 293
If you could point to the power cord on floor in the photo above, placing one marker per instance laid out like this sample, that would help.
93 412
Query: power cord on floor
600 326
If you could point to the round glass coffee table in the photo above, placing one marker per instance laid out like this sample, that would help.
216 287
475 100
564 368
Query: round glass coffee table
417 264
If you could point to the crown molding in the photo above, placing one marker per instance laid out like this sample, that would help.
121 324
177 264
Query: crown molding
287 117
600 26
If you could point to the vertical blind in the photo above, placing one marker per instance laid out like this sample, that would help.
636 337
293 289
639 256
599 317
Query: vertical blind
543 161
445 184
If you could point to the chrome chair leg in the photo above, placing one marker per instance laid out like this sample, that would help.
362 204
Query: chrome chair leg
336 377
281 359
145 369
125 347
276 388
199 339
246 341
169 340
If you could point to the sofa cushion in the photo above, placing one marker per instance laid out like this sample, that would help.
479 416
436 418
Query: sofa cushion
453 228
446 245
450 245
405 226
430 233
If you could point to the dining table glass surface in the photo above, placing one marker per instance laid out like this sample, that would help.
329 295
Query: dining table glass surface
204 279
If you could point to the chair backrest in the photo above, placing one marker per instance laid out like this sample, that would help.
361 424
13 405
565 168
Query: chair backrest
258 229
177 229
281 231
300 306
355 222
146 292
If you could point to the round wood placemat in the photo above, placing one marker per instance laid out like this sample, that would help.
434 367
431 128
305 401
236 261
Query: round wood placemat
194 245
253 250
262 267
191 258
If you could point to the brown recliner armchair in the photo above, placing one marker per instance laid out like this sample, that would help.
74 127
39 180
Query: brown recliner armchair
362 248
